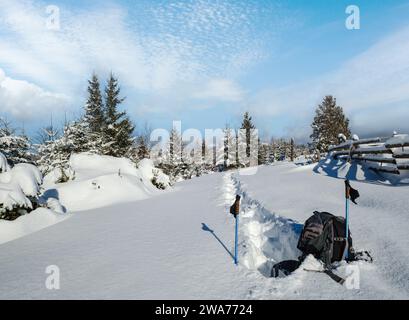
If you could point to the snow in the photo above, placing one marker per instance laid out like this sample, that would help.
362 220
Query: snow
12 196
29 223
302 160
369 149
178 244
102 181
4 166
27 176
17 183
342 137
378 223
98 181
148 171
398 139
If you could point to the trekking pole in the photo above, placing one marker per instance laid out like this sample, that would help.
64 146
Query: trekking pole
235 209
236 239
347 196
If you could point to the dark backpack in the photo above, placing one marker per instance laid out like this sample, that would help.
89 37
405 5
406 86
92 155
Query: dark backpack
323 236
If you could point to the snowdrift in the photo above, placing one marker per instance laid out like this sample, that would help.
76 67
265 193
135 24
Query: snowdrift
26 224
97 181
18 183
19 186
100 181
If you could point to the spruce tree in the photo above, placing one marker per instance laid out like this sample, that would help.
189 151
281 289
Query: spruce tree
94 113
142 147
229 147
329 122
171 158
247 125
15 147
175 148
56 154
273 151
263 153
143 144
118 127
292 150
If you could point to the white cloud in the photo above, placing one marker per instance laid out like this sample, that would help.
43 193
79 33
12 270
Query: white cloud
157 49
372 87
221 90
161 46
24 100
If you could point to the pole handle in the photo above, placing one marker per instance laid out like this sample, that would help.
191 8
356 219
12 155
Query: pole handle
237 205
236 251
347 189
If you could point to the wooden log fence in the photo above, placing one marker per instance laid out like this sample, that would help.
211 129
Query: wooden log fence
377 151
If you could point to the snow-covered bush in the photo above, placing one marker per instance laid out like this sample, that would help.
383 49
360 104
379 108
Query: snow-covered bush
15 147
155 175
104 180
19 189
158 181
4 166
342 138
54 155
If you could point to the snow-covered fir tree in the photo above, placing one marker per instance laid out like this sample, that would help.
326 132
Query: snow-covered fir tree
263 153
192 160
247 146
15 147
198 164
292 150
142 143
94 118
94 108
247 124
207 156
220 155
171 153
230 147
142 147
118 128
329 122
273 151
55 154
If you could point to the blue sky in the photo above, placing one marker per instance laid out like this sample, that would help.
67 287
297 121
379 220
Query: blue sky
205 62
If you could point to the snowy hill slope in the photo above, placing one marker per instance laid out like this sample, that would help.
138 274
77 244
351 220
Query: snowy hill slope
18 186
102 180
178 244
98 181
154 248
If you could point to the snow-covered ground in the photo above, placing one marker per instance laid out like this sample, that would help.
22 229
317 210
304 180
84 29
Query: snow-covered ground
178 244
99 181
17 186
96 181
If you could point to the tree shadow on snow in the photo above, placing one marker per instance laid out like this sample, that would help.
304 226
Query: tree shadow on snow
338 169
52 194
206 228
